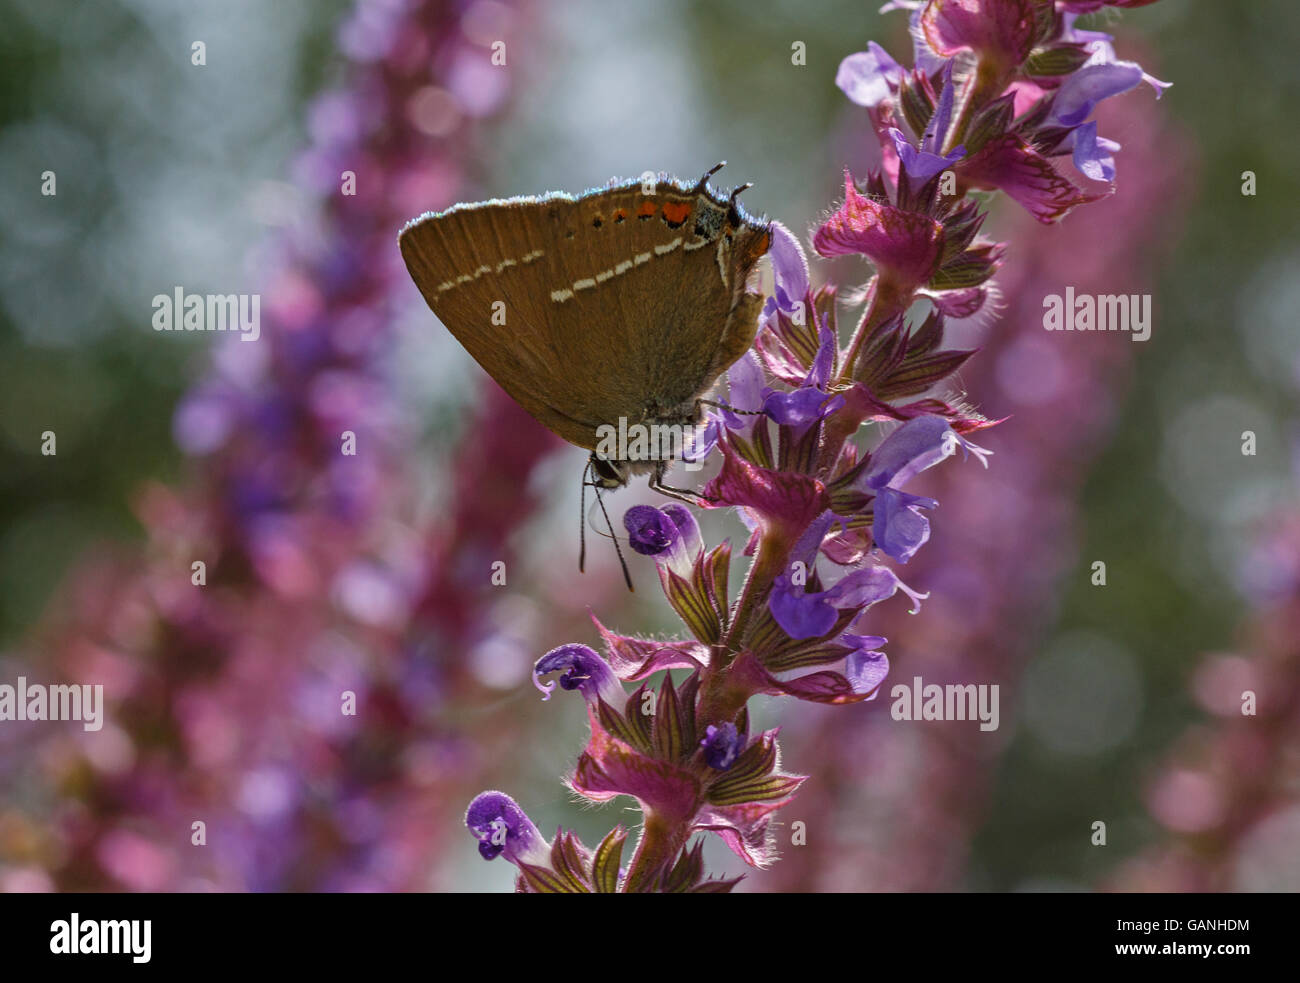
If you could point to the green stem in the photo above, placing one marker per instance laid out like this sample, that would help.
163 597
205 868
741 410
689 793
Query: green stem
885 303
661 840
768 563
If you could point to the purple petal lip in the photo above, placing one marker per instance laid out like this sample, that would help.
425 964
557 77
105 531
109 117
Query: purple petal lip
800 408
492 814
670 534
866 670
582 669
650 531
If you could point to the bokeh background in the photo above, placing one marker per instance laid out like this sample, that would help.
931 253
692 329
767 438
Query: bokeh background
1120 703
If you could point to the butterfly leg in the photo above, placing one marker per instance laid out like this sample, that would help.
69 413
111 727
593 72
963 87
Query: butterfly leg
681 494
724 406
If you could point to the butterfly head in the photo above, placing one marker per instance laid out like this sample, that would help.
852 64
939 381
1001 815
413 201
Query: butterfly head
609 474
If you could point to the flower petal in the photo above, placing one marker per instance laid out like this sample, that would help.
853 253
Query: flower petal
1002 29
1027 176
1094 156
902 243
799 613
789 266
898 527
866 670
1079 94
862 588
868 77
782 497
634 658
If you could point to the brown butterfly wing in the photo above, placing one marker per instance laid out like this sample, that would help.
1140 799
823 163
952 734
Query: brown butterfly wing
605 311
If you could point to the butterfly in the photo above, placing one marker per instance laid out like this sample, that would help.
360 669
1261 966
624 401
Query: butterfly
619 307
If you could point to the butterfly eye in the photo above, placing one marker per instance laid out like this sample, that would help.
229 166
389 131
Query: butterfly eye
607 473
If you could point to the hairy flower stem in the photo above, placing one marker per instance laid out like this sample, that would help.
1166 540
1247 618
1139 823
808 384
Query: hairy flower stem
989 80
661 840
769 560
886 301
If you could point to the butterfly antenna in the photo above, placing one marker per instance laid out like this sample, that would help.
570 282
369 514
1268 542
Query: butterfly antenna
581 524
699 186
627 577
735 193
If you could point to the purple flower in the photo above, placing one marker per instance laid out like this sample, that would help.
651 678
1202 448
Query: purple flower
898 527
670 534
809 403
927 161
804 614
922 164
800 614
869 585
917 445
722 745
501 827
869 77
864 669
650 532
812 615
581 669
801 408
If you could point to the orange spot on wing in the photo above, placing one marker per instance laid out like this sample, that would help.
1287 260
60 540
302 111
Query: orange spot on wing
645 209
675 212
